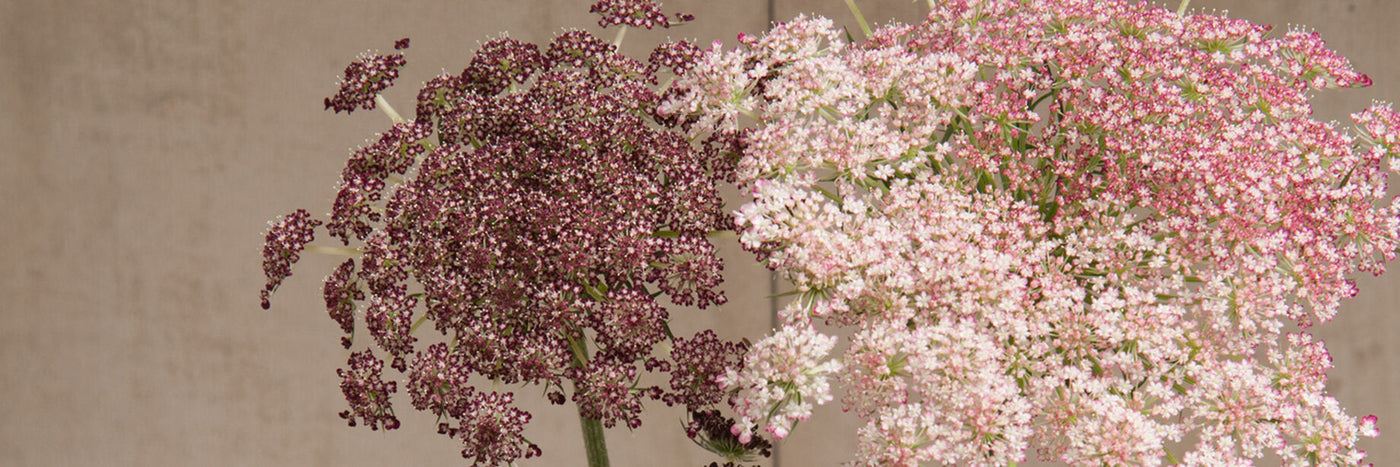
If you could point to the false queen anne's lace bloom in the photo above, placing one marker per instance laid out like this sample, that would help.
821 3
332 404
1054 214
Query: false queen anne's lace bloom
1083 226
534 211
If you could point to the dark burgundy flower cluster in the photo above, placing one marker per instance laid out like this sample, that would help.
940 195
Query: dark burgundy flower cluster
341 293
282 248
604 391
687 271
367 393
679 56
366 78
635 13
489 427
695 364
363 181
534 212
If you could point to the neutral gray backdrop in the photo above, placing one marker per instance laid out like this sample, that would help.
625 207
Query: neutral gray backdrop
145 143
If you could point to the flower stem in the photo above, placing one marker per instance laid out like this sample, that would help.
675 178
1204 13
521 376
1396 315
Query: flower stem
1181 10
383 104
621 33
860 19
593 442
334 250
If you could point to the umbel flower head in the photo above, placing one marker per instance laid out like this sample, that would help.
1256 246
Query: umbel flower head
366 78
532 214
282 248
1095 228
635 13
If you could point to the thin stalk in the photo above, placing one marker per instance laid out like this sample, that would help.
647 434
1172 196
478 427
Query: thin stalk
860 19
621 33
420 322
708 234
383 104
334 250
1181 10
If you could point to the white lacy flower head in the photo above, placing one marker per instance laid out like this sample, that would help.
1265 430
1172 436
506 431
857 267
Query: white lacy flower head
784 376
1079 225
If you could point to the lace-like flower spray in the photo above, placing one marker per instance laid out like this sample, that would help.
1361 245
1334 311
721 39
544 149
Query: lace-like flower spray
1082 226
532 214
635 13
366 78
282 248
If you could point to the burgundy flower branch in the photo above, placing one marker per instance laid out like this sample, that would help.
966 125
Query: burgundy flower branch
535 212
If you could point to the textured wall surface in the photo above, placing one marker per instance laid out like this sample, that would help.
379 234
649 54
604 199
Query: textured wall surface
145 143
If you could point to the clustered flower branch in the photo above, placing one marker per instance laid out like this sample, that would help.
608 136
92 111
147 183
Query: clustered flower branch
535 211
1095 228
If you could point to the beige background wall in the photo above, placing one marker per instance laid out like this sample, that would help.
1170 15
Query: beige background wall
144 143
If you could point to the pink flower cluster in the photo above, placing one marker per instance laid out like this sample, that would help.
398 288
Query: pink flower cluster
1095 228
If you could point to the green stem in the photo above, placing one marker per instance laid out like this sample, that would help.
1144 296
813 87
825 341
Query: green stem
1171 460
1181 10
420 322
864 26
593 442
